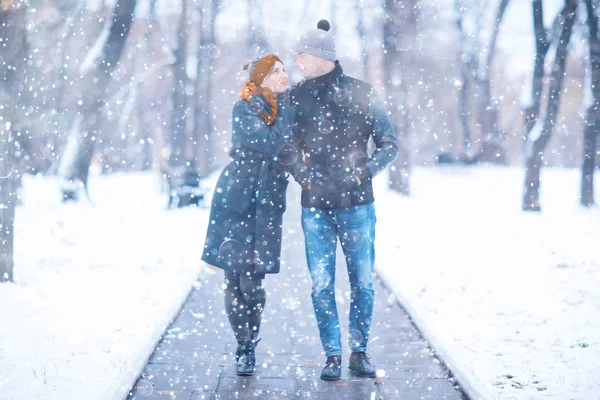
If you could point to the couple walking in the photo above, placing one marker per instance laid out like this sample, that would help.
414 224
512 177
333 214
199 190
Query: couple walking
318 133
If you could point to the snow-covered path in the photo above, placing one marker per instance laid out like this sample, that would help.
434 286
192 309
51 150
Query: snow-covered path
195 359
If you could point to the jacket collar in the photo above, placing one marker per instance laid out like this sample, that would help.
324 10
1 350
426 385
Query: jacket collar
329 77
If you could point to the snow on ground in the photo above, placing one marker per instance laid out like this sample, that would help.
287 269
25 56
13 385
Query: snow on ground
94 286
510 298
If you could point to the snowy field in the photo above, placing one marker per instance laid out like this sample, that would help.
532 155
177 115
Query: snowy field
510 300
95 287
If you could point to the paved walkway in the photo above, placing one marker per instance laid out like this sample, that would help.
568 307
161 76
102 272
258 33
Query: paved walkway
194 360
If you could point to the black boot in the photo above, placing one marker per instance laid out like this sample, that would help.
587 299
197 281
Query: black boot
333 369
361 366
247 358
239 351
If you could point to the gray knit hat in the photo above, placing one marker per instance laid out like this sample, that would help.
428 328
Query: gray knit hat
318 42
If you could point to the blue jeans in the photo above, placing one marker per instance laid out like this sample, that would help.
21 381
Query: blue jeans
355 226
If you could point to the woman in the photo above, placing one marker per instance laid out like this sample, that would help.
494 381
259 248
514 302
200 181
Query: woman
245 225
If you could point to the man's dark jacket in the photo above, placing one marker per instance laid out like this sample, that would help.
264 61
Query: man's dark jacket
335 117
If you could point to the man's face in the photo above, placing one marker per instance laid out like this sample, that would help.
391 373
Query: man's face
308 64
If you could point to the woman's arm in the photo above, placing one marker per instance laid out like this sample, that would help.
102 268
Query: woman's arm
251 131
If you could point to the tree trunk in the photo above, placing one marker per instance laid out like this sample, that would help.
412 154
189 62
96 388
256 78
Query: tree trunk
491 149
63 56
333 6
475 91
362 37
180 139
96 70
213 53
202 139
542 131
142 142
143 108
203 88
13 32
400 24
592 119
543 40
8 188
257 41
466 66
532 107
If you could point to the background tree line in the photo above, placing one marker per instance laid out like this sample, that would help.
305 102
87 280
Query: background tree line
129 85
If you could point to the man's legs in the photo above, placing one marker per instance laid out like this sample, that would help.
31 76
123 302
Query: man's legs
357 236
320 237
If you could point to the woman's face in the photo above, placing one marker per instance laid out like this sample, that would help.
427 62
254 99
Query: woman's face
277 80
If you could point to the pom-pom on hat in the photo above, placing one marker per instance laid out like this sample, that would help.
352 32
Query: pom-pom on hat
318 42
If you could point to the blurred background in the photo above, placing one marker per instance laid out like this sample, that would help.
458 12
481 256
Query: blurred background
180 72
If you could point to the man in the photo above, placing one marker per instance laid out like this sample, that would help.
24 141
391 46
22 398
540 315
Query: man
335 117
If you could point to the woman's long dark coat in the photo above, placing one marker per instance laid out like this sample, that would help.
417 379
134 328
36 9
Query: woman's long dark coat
245 226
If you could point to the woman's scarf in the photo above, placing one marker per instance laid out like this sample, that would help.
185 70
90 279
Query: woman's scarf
250 89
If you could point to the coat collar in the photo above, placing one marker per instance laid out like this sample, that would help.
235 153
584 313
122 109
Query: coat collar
329 77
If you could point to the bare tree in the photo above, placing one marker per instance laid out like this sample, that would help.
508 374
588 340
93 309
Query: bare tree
360 28
257 40
477 55
96 72
13 32
73 14
542 130
333 6
180 103
592 119
467 64
531 107
487 113
203 87
209 78
400 27
532 99
141 104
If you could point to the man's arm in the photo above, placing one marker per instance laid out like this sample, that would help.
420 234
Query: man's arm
298 169
384 137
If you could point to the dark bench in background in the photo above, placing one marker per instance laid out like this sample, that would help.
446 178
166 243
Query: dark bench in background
184 187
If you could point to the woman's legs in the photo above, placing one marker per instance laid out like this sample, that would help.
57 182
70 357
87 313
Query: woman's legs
255 298
244 303
235 307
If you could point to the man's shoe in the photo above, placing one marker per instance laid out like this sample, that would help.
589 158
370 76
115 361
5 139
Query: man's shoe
247 359
333 369
361 366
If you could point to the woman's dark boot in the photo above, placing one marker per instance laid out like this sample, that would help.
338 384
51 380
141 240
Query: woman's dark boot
239 351
247 359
